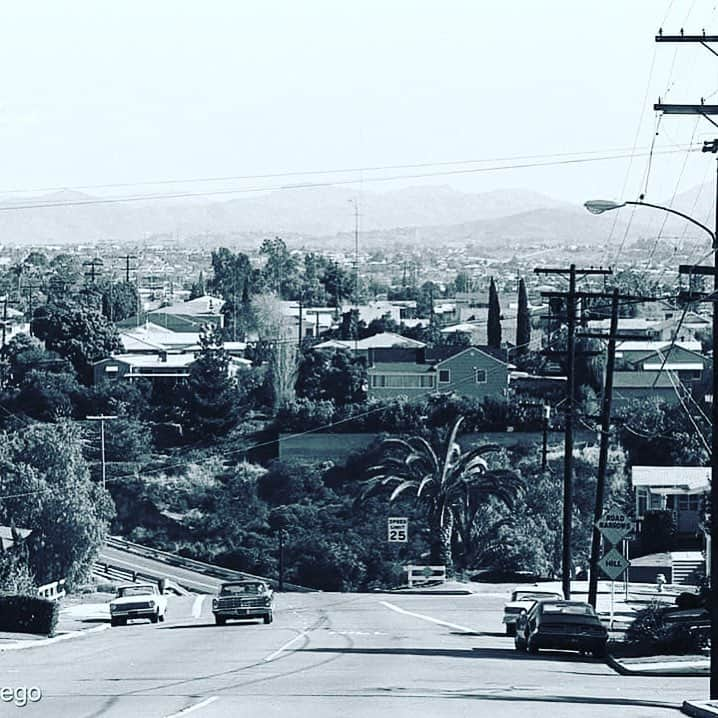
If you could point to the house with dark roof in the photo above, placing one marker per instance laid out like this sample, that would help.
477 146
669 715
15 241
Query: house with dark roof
469 372
661 387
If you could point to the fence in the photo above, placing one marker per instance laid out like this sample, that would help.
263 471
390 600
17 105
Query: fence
418 575
54 590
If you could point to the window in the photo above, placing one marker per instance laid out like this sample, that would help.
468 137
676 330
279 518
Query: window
642 501
480 376
444 376
402 381
689 503
111 368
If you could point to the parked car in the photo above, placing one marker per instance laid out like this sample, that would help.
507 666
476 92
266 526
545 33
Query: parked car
568 625
138 600
243 599
521 600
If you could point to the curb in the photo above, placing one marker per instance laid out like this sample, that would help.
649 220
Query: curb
427 592
700 710
22 645
622 670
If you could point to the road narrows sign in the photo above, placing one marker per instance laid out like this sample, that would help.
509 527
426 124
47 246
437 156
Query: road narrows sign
613 564
614 525
397 529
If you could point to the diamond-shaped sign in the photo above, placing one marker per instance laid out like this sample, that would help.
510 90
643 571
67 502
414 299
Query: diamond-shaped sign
613 564
428 572
614 525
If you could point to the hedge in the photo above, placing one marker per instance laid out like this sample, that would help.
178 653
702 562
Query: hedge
28 614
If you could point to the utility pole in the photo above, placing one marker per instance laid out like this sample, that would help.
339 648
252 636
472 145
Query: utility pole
570 297
30 288
127 258
102 419
281 559
2 349
706 111
299 335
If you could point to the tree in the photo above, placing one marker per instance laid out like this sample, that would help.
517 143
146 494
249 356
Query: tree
212 393
523 321
339 377
493 326
198 288
120 300
78 333
43 468
280 270
445 480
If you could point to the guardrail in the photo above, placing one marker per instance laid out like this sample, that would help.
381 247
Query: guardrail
54 590
207 569
103 569
418 575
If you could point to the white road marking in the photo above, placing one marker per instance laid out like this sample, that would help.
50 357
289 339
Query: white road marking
197 606
195 707
283 648
463 629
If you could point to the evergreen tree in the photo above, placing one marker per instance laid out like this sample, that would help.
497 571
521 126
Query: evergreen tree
523 322
198 288
212 393
493 328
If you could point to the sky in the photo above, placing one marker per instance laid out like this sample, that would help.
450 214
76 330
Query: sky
98 93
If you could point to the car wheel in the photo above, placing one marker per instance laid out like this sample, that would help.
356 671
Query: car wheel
599 651
162 617
220 620
268 618
114 621
155 618
510 629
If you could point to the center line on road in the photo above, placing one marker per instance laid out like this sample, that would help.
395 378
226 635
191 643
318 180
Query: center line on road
431 619
197 606
195 707
283 648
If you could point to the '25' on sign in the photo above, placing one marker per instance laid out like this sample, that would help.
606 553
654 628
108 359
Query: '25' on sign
397 529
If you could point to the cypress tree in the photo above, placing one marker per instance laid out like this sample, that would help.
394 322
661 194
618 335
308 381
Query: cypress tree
523 322
493 325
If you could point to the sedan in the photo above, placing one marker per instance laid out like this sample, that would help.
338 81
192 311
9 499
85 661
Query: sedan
568 625
521 600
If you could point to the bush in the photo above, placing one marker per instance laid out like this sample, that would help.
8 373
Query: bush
28 614
652 634
657 531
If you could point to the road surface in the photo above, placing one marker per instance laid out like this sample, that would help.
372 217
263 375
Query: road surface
329 655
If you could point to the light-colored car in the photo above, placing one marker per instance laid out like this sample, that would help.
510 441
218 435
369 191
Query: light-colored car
138 600
243 599
521 600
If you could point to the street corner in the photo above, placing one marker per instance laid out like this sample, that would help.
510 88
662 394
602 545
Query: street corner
660 666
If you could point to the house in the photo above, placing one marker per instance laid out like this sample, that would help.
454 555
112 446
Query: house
385 346
152 366
188 316
470 372
679 489
15 323
682 358
630 386
151 338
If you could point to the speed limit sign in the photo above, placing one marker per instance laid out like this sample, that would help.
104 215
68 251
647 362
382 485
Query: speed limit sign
397 529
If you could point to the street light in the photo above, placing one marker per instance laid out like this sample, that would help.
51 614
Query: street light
599 206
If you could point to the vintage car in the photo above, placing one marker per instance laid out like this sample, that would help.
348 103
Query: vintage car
138 600
571 625
243 599
521 600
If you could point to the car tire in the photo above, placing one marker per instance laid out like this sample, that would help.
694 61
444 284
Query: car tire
220 620
268 618
510 629
599 651
115 622
162 617
155 618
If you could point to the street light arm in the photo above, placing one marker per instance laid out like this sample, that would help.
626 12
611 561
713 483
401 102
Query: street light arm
688 218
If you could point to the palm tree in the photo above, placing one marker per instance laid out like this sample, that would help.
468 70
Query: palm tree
450 484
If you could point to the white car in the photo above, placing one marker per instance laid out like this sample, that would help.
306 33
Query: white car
138 600
521 600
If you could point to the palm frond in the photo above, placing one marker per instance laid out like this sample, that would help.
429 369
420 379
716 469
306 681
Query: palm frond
401 488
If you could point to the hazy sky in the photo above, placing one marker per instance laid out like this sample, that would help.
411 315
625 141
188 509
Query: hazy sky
101 92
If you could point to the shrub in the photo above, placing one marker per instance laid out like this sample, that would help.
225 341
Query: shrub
651 634
657 531
28 614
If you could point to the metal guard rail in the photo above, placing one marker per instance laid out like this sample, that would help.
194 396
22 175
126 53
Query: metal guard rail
191 564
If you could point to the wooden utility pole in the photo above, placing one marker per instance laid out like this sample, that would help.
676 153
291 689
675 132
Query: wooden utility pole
706 111
102 419
570 297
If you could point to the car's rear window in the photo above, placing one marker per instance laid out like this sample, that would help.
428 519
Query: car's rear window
572 609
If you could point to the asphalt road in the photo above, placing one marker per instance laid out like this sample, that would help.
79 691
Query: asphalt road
327 656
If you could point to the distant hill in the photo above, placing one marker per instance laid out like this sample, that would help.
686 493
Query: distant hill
511 215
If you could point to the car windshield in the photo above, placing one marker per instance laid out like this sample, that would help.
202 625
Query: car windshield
232 589
529 595
573 609
135 591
